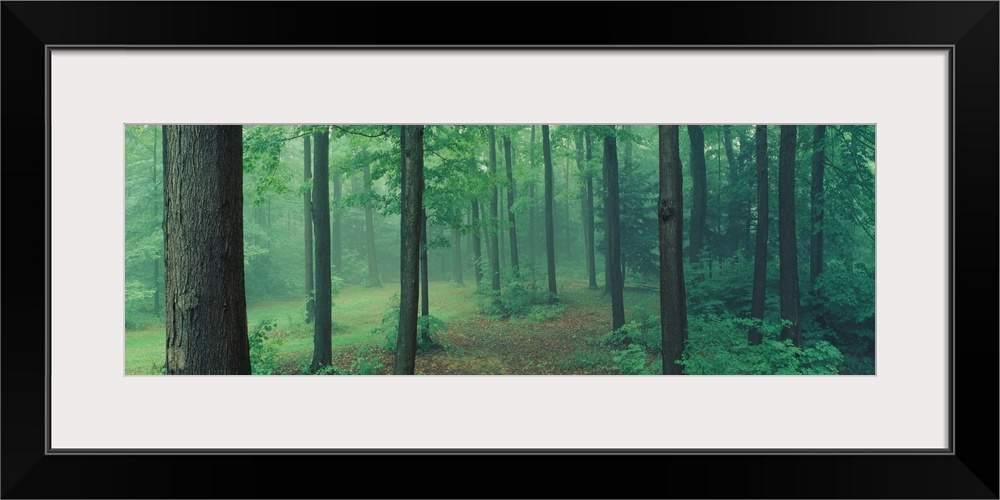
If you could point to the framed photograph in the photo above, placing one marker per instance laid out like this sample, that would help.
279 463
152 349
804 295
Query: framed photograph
922 76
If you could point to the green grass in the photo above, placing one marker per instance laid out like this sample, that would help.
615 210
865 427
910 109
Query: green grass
356 311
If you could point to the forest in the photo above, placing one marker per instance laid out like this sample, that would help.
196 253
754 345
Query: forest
500 249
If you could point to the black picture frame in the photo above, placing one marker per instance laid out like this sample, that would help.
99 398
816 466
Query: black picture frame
968 470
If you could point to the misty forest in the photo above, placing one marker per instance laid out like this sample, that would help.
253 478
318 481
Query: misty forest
500 249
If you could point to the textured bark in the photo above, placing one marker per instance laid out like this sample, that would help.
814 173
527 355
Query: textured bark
206 316
699 206
587 206
613 239
789 265
754 336
307 211
323 327
493 234
514 264
550 243
477 245
816 204
373 278
670 212
411 206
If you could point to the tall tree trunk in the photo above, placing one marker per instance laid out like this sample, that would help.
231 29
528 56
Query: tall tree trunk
360 243
816 204
587 208
589 222
789 265
458 256
206 312
604 205
411 208
670 211
514 264
323 327
760 251
337 237
531 213
424 282
477 248
307 210
569 246
611 214
373 278
501 244
734 227
699 207
550 242
493 235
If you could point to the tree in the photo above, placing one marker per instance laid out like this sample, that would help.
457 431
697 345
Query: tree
583 143
203 250
337 234
612 238
323 327
550 243
816 204
411 208
424 281
699 207
510 204
458 255
492 234
788 266
307 210
373 278
734 223
760 250
670 211
477 246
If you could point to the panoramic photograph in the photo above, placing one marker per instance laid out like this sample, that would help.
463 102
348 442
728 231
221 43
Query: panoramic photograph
535 249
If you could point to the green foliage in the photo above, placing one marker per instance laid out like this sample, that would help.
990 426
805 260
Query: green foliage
389 329
264 347
521 296
717 345
631 360
367 362
633 344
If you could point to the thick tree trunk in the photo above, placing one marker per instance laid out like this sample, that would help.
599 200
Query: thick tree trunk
816 204
206 314
373 277
307 211
477 246
670 211
425 309
754 337
411 200
699 206
789 265
550 243
514 264
611 214
323 328
493 236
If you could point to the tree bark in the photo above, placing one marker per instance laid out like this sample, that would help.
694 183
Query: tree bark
816 199
734 225
789 266
424 281
206 315
477 246
493 234
531 189
373 277
411 200
514 264
611 214
670 211
587 203
337 235
307 211
458 256
699 207
323 327
754 337
550 243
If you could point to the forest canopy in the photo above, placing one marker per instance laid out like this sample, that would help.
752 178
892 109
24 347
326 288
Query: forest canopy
500 249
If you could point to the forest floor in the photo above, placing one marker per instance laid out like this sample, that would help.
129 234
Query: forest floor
556 340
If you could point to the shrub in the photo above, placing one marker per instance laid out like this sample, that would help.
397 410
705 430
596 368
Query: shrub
263 348
389 329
